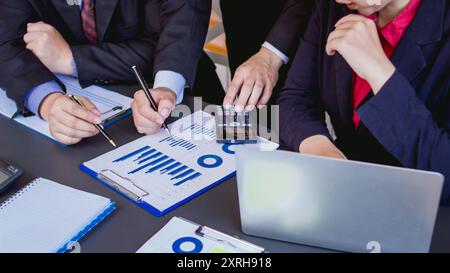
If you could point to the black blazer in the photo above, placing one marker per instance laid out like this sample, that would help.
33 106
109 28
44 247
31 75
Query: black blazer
290 26
280 22
406 124
153 34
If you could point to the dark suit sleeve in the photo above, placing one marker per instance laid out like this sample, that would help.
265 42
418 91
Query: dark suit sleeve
301 112
21 70
112 61
184 29
290 26
407 129
174 34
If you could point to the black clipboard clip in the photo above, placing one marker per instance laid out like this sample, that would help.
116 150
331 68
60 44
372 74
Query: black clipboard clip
225 239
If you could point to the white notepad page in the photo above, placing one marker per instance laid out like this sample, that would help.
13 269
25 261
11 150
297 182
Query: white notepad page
104 99
45 215
171 169
180 236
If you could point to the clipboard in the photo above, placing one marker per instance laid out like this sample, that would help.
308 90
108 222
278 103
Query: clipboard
202 239
160 173
114 106
134 193
105 123
116 118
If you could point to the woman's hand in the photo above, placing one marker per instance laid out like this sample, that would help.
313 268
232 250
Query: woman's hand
321 146
356 39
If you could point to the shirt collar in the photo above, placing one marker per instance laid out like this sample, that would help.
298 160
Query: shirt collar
393 32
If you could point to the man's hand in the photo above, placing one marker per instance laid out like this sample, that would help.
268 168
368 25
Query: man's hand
146 120
254 81
321 146
356 39
50 47
69 122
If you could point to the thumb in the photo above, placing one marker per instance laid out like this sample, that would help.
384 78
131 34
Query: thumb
166 101
165 107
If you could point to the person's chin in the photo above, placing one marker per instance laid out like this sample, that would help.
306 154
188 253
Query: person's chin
367 11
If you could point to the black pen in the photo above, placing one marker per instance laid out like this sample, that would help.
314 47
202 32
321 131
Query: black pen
144 86
99 128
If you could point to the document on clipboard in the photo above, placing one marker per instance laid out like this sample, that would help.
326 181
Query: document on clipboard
161 172
112 105
183 236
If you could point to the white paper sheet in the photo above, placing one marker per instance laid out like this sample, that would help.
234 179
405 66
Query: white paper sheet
46 215
171 169
104 99
179 236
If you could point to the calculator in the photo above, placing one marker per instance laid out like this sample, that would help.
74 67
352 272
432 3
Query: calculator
235 127
8 175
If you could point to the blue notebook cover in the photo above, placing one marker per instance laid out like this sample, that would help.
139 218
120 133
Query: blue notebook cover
47 217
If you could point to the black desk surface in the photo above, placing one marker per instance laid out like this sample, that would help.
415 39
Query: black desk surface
129 226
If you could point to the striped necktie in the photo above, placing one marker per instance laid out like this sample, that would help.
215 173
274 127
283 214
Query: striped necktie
88 21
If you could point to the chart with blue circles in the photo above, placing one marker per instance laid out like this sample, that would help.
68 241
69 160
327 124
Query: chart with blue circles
182 236
164 170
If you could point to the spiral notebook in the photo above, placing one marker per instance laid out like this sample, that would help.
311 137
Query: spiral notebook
47 217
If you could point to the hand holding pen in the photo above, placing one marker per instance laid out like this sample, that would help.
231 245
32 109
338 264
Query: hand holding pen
151 108
68 122
98 127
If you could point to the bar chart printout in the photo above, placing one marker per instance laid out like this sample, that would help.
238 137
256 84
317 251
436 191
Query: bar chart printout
199 129
178 142
149 160
166 171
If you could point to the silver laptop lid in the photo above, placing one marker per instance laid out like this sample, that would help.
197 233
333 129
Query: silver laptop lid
341 205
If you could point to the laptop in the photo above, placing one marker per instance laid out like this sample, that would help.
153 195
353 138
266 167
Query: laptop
336 204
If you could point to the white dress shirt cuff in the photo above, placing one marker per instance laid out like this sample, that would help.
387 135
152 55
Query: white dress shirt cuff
275 51
172 80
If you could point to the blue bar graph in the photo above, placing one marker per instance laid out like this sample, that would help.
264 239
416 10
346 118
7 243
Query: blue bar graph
150 157
183 174
171 167
164 157
132 154
182 168
178 142
157 167
145 154
192 177
151 161
149 164
140 168
198 129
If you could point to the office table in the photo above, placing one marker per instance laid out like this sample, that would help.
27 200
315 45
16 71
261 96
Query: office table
129 226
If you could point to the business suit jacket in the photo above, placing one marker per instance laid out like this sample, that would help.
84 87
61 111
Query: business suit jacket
406 124
153 34
249 23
